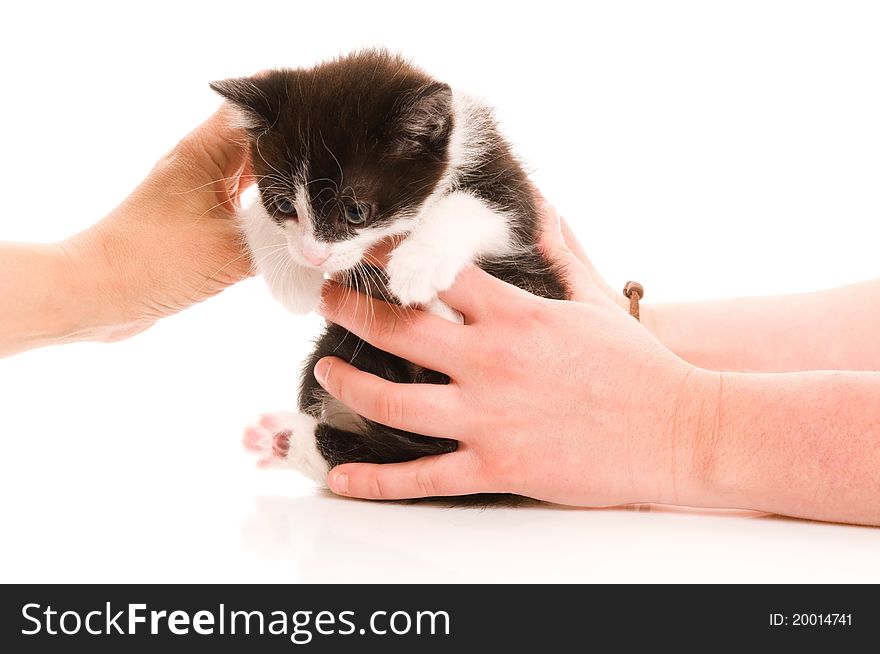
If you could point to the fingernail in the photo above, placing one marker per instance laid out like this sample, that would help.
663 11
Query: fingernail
339 483
322 369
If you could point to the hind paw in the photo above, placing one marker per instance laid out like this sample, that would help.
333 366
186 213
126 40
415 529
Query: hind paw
269 438
284 439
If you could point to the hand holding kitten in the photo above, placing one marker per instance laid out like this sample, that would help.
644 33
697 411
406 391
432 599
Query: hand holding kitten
575 402
570 402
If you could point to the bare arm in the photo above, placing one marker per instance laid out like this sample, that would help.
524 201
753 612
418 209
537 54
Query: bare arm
170 244
826 330
45 299
541 411
800 444
614 418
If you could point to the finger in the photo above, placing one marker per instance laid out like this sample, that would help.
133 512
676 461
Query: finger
416 336
550 222
476 294
430 476
574 245
239 182
581 281
427 409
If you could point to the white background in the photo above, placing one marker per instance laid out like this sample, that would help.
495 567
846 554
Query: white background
739 140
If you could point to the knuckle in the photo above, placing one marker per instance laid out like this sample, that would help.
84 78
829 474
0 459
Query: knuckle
533 316
511 360
500 471
426 484
377 490
385 329
389 407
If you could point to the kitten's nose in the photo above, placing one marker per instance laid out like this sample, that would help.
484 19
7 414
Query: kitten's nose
316 259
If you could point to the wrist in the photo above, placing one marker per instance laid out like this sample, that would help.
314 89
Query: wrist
97 285
692 438
647 316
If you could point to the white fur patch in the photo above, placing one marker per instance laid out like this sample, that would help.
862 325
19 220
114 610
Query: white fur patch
453 232
472 123
439 308
297 287
302 454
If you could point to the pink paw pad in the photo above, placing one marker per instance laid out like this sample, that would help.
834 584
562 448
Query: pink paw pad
268 439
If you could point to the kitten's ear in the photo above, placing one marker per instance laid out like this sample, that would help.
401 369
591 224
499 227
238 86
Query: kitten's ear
258 97
424 120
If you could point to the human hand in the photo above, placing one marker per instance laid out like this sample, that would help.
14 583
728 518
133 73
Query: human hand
569 402
561 244
171 243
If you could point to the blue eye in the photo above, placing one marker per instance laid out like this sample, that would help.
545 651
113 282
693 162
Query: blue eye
285 207
357 213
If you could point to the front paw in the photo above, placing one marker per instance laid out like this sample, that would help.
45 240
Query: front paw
299 290
416 273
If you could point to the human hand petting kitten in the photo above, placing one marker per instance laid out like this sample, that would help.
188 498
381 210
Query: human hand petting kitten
170 244
173 242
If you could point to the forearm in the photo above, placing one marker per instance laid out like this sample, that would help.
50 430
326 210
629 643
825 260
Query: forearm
828 330
799 444
49 294
36 311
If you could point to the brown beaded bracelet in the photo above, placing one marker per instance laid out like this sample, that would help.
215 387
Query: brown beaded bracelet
635 292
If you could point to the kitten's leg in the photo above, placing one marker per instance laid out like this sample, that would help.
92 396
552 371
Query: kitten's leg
288 440
453 232
299 442
297 288
377 444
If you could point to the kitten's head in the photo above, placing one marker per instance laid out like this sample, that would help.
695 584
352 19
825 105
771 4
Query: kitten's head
345 153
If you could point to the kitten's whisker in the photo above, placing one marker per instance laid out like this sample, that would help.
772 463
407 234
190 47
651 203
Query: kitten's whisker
339 165
345 297
324 179
274 273
221 269
360 344
210 209
382 287
259 152
256 178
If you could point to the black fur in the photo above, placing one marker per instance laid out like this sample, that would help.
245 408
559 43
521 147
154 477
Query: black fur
383 126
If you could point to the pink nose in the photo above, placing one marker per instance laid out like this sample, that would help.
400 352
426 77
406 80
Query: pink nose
316 259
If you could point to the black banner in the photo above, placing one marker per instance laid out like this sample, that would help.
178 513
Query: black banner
110 618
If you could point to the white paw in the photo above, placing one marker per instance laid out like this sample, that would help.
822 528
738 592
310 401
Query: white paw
287 440
298 290
439 308
417 273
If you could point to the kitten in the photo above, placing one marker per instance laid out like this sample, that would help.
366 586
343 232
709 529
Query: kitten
350 153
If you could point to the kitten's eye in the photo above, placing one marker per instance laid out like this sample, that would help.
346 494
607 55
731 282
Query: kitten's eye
285 207
357 213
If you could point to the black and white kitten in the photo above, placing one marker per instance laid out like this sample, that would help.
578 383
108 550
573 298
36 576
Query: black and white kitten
350 153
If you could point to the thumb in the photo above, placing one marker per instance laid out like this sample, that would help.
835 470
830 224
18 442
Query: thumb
582 286
430 476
